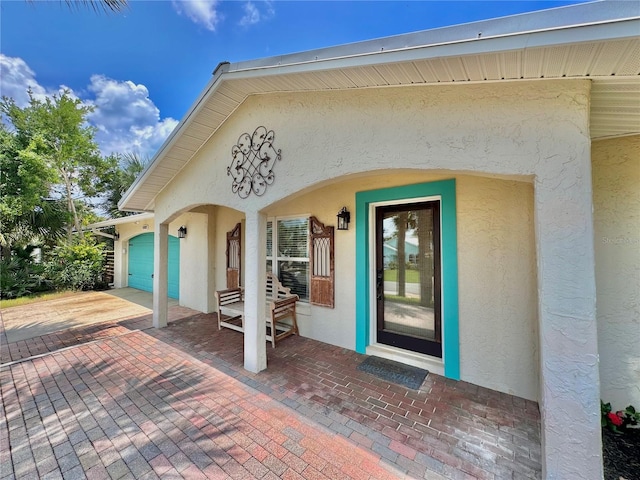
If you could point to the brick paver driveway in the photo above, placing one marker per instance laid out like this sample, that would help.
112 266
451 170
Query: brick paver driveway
120 399
131 406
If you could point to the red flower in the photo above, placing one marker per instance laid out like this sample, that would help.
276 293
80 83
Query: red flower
615 419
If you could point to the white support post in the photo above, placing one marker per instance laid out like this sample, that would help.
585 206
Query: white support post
255 260
569 377
160 275
119 261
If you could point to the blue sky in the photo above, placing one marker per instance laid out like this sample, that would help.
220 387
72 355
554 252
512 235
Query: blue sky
143 68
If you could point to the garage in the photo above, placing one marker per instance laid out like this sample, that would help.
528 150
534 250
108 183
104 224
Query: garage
141 263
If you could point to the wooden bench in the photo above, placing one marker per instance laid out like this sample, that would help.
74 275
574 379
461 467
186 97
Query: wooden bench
280 311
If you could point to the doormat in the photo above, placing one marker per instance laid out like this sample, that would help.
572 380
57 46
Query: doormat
396 372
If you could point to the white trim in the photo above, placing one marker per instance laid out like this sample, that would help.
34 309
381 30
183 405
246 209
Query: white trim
274 258
427 362
561 35
120 221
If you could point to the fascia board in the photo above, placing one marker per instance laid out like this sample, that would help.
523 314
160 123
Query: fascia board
549 38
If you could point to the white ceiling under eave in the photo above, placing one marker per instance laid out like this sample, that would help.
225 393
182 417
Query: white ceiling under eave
612 65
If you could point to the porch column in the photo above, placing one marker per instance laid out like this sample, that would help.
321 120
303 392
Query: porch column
255 262
160 274
569 377
119 260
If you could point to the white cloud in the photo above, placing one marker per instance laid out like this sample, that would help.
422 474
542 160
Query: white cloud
253 15
126 118
15 78
202 12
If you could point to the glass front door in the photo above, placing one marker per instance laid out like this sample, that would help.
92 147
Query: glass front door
408 276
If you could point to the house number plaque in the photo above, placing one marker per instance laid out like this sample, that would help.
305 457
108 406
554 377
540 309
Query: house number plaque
253 159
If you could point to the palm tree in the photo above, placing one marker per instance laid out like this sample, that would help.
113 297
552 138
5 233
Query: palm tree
96 5
116 183
105 5
43 225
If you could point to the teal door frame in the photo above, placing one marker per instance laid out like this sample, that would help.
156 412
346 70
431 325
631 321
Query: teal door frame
446 190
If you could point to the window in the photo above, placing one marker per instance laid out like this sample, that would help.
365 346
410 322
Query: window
288 253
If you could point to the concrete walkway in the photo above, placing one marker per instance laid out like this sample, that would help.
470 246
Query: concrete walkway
83 308
120 399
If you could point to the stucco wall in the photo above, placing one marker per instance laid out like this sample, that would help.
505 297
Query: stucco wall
193 256
496 254
495 129
497 285
516 130
505 129
616 198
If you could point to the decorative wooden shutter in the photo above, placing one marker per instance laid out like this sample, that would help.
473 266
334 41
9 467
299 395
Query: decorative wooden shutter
321 260
233 257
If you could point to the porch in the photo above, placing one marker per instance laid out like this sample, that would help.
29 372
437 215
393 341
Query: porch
451 428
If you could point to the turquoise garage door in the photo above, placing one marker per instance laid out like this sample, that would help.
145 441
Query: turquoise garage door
141 264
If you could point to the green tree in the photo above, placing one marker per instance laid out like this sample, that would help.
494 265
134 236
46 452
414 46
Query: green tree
118 179
27 215
53 135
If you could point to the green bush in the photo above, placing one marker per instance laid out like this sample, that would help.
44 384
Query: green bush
20 276
76 266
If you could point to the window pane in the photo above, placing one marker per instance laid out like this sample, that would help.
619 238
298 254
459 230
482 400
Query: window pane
269 239
293 237
295 275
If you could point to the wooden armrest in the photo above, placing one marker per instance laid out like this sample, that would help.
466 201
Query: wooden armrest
230 295
282 306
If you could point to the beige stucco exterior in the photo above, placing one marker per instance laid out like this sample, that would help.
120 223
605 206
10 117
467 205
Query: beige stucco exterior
522 160
194 250
616 201
525 128
496 254
535 132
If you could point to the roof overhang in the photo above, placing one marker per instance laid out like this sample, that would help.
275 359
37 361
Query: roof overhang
599 41
112 222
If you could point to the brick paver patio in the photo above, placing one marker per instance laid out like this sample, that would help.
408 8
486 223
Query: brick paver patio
124 400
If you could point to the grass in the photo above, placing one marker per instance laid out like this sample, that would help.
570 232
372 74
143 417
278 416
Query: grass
40 297
411 276
405 300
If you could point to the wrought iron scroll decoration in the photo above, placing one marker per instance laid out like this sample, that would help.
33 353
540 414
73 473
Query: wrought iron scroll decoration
253 159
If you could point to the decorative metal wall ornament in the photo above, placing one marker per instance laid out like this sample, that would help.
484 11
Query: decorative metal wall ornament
252 164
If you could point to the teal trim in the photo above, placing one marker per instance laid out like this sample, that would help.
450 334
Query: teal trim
173 274
446 189
141 248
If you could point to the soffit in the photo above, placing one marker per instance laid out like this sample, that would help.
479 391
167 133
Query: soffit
612 65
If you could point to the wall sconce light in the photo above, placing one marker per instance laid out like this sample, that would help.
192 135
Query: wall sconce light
182 232
344 217
116 236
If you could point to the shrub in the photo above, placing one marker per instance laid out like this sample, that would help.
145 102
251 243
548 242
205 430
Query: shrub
76 266
20 276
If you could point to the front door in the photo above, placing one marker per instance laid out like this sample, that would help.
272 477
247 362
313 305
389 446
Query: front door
408 276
